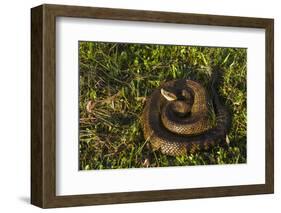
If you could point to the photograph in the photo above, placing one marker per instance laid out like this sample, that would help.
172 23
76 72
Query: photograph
158 105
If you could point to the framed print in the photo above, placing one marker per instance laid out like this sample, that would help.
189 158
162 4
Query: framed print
136 106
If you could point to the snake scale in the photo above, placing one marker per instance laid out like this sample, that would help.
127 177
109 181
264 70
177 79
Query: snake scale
176 121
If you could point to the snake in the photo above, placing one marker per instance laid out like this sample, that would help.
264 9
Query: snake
176 118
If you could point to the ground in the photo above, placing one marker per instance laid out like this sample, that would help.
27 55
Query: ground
116 79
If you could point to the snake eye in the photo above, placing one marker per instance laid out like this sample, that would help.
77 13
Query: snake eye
168 95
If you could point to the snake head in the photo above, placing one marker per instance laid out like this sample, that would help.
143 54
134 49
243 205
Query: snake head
168 95
180 104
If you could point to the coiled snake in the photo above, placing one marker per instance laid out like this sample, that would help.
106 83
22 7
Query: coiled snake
176 120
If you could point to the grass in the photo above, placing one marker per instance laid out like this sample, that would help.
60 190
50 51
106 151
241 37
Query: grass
116 79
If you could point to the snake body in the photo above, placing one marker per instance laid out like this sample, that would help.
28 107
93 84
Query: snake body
182 125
